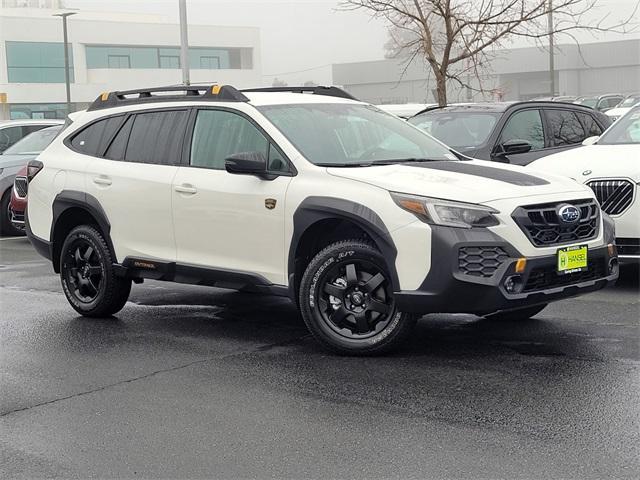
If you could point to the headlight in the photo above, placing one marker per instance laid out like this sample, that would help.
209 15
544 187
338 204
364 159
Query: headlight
444 212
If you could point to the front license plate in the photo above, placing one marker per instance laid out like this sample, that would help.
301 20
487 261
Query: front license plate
572 259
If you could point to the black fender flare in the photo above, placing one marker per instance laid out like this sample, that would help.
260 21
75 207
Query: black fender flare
68 199
317 208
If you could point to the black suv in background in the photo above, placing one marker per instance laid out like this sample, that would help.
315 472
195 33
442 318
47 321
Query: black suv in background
518 132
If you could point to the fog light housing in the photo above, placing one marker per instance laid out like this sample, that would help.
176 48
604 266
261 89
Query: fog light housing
513 284
614 266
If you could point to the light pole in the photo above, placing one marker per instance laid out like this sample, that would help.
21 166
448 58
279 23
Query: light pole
67 80
184 42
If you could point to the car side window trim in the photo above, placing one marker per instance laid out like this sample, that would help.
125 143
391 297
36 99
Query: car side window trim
186 160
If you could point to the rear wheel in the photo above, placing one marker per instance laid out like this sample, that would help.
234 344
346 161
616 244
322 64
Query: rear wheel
519 314
88 278
6 228
346 300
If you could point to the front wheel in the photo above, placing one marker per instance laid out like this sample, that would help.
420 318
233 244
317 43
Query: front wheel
87 274
346 300
518 314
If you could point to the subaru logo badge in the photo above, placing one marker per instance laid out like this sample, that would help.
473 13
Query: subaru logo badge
568 214
587 172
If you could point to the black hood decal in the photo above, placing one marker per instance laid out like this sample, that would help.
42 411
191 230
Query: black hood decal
508 176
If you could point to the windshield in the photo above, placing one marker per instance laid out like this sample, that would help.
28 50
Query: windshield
624 131
351 134
35 142
629 102
459 130
589 102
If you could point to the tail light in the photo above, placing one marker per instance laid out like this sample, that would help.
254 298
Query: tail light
33 168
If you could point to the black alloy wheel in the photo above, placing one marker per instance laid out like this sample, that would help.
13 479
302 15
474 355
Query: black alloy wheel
346 300
89 279
354 299
83 270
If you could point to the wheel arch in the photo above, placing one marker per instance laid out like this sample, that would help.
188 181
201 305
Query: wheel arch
319 221
70 209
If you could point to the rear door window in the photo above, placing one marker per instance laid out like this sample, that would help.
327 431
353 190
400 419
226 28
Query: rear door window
525 125
591 127
93 140
565 127
157 137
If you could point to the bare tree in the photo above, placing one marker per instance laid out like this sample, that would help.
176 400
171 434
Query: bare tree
456 38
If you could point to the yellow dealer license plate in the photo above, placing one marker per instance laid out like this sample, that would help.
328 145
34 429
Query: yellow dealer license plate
572 259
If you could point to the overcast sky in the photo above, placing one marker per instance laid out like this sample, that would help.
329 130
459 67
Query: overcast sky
300 38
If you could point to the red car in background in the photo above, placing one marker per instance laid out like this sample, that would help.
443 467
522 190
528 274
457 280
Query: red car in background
18 203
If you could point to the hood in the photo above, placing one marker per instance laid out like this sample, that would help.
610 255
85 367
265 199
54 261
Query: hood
473 181
591 162
7 161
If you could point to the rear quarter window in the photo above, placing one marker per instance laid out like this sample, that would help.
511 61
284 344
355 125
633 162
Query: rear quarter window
94 139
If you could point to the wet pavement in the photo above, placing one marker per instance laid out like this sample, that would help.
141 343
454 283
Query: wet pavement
189 382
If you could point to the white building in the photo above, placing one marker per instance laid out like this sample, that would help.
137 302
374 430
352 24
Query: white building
516 74
109 52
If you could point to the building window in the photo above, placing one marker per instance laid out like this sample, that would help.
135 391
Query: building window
119 61
122 56
22 111
210 63
37 62
169 61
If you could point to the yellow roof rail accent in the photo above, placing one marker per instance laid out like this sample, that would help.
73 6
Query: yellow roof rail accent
104 96
216 89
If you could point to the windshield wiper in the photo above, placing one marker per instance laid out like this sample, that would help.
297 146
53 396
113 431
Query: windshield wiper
370 163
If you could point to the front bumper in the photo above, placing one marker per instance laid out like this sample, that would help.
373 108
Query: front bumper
449 288
628 250
16 218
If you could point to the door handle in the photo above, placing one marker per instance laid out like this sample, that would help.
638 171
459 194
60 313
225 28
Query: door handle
185 188
102 180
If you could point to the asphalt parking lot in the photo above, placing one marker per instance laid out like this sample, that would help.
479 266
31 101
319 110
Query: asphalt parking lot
194 382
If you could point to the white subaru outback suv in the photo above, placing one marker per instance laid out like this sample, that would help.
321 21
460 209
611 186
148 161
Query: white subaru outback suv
362 219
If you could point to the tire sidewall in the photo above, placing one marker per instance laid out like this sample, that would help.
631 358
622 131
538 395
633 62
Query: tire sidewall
86 234
312 282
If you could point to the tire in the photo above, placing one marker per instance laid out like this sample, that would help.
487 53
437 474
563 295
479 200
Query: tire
6 228
346 301
87 275
519 314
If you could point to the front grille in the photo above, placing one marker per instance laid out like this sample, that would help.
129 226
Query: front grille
614 196
21 186
543 228
542 278
481 261
628 246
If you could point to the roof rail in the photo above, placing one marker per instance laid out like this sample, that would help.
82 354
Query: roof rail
318 90
215 93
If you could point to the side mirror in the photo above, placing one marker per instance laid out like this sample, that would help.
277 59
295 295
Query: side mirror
590 140
513 147
248 163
